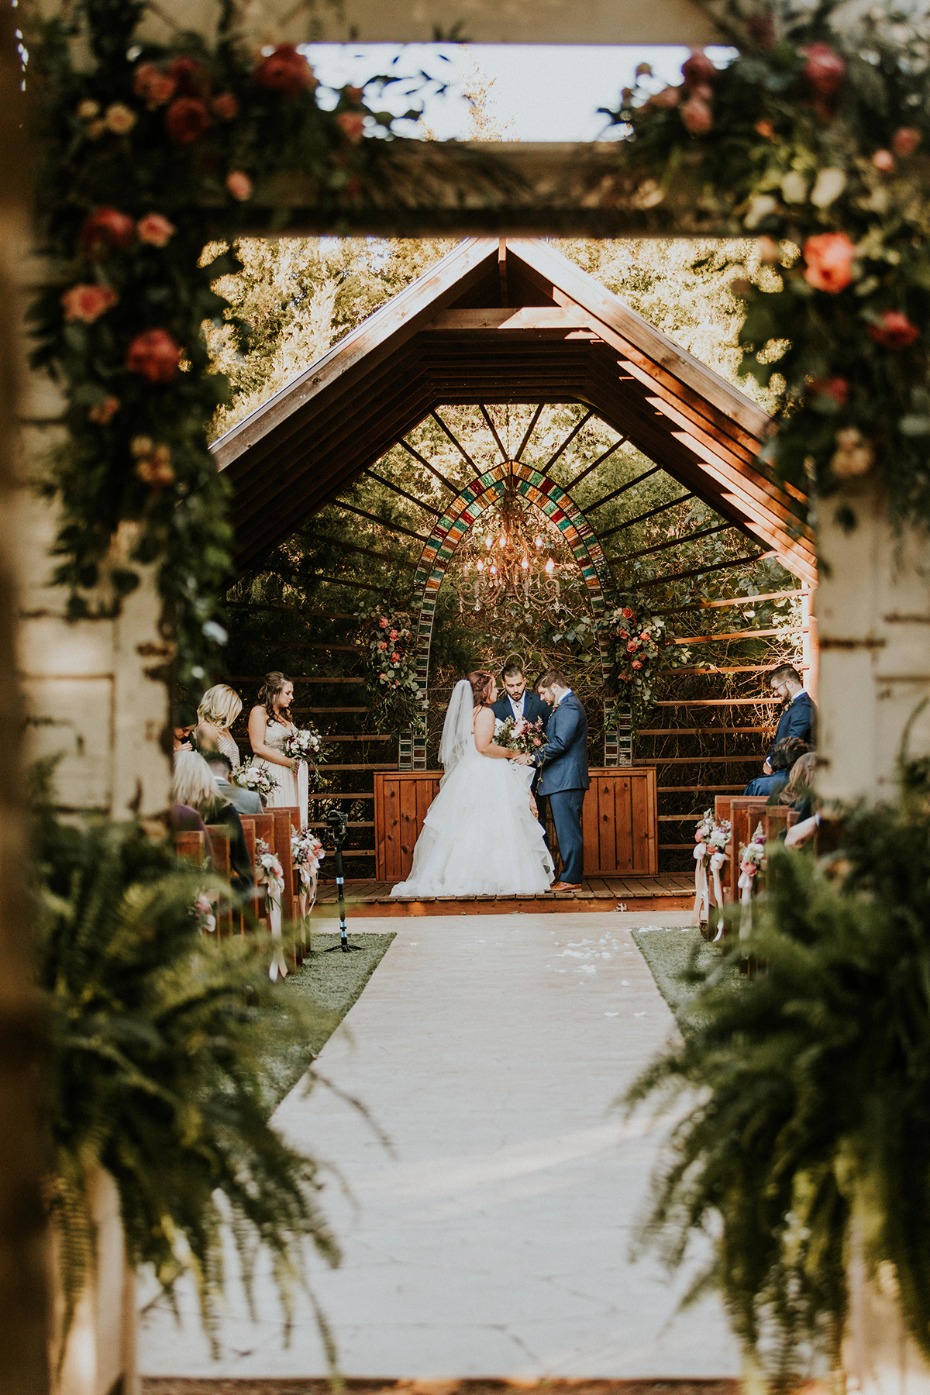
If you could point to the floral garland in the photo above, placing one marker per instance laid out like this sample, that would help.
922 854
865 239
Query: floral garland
812 140
145 146
397 701
636 643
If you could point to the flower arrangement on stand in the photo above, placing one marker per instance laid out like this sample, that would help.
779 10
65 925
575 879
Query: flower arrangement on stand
397 701
639 648
711 841
751 863
253 775
139 139
815 140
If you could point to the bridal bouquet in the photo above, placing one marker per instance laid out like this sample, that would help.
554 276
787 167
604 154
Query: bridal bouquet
306 854
250 776
305 743
519 734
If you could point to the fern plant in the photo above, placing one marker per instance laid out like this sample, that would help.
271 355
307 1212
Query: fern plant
155 1072
807 1092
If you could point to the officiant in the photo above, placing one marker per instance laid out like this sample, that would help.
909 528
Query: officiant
517 700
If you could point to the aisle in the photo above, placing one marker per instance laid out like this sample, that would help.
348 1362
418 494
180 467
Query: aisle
494 1240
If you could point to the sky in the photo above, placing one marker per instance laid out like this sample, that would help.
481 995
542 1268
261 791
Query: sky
539 93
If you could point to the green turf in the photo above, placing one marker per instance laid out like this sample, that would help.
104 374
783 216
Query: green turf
669 954
324 988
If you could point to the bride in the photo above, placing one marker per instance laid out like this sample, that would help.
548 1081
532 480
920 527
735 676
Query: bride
480 836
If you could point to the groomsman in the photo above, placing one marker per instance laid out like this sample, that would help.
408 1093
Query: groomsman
798 718
564 774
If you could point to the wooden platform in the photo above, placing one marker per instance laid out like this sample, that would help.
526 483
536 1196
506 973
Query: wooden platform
672 892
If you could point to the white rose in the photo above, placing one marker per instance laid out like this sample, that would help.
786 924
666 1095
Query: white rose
828 186
794 187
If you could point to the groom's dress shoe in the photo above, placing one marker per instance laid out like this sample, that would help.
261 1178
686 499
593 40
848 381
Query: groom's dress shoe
565 886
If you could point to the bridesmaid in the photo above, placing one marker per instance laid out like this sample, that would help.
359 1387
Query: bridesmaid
219 707
269 724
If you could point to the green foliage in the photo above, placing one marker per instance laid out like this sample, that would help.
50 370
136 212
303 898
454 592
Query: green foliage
808 1092
156 1070
396 700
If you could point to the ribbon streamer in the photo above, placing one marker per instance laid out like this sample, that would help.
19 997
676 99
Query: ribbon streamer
717 859
274 889
745 917
303 791
701 889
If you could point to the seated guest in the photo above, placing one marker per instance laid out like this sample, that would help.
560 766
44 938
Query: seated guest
183 721
781 759
798 719
195 788
798 793
245 801
218 709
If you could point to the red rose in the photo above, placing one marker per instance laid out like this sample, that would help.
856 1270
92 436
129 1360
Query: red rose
239 185
286 72
624 634
153 86
155 230
102 412
837 388
382 644
645 635
106 230
624 677
190 77
154 355
395 658
824 70
905 141
698 68
893 330
225 106
829 258
383 623
88 302
632 646
637 663
696 117
627 613
393 635
353 125
186 120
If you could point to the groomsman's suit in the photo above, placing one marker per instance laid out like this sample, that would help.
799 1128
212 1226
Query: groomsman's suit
564 779
799 719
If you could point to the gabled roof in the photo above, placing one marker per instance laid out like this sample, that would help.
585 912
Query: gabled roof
504 321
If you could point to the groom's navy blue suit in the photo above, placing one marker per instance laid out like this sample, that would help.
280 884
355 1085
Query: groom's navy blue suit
533 708
564 779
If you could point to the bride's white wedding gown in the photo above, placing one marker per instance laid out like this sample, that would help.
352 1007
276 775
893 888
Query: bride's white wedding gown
479 837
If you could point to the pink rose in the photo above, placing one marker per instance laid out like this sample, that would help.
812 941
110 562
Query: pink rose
88 301
893 330
382 644
697 117
395 658
286 72
884 161
667 99
624 677
155 230
352 124
637 663
393 635
627 613
829 258
106 230
837 388
825 69
645 635
225 106
698 68
186 120
154 355
239 185
153 86
905 141
632 646
383 623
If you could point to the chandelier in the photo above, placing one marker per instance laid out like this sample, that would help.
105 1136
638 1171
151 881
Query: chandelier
511 559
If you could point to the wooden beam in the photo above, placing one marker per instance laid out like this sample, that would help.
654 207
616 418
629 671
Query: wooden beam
703 571
569 438
422 460
455 441
730 600
381 522
615 493
529 431
531 320
675 542
411 498
641 518
621 441
493 430
392 561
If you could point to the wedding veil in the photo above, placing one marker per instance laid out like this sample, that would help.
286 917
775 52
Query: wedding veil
458 729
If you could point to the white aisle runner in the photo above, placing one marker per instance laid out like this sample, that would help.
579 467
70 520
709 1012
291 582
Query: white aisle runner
494 1240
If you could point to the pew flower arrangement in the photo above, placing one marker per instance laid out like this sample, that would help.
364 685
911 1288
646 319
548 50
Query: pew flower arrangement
711 840
820 1069
815 141
144 145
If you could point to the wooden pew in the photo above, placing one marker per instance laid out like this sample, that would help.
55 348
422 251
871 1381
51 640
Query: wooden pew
192 846
286 819
746 811
218 834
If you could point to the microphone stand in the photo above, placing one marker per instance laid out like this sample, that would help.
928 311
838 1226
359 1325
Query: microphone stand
337 826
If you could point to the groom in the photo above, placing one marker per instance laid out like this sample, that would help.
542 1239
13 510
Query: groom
564 776
517 701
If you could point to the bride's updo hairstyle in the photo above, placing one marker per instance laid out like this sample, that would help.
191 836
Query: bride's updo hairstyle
481 686
269 690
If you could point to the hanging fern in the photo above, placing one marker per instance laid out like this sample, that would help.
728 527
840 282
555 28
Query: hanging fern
156 1075
808 1094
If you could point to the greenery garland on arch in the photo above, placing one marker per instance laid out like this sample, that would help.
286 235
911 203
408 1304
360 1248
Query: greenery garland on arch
815 139
144 148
